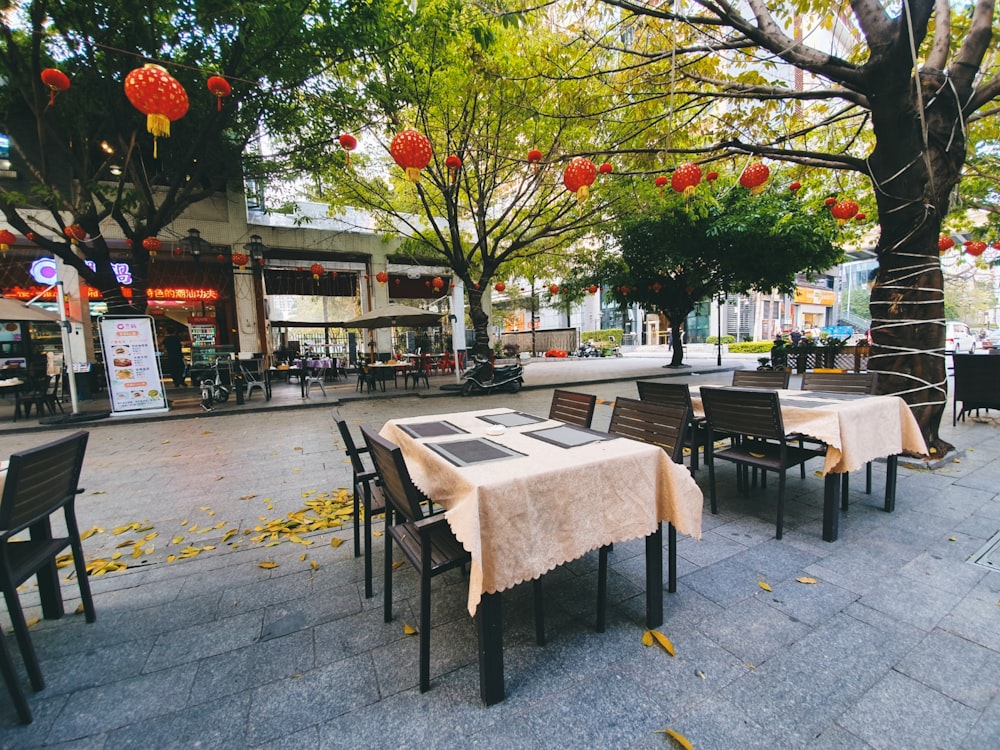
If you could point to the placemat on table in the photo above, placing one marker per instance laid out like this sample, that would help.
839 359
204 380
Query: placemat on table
475 451
431 429
512 419
568 435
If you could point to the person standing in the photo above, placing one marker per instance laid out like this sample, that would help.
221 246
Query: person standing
172 347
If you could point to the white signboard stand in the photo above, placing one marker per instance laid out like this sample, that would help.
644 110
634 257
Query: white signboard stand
131 365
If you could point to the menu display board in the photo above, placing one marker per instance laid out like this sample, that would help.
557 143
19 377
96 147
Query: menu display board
131 364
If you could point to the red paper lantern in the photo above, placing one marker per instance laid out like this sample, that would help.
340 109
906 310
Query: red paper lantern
396 281
553 289
661 182
754 177
656 286
795 186
348 142
7 239
829 201
499 286
685 179
438 283
159 96
75 232
152 245
592 289
860 217
241 260
221 88
945 243
712 176
605 168
578 176
844 210
534 156
317 271
57 81
381 277
453 164
412 151
975 248
220 257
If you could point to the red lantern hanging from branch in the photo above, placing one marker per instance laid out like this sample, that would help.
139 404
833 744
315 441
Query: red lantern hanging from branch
75 232
381 277
685 179
578 176
605 168
7 239
152 245
553 289
221 88
534 156
844 210
859 217
57 81
412 151
159 96
795 187
711 177
945 243
499 286
975 248
241 260
592 288
438 283
661 182
317 270
754 177
453 164
348 142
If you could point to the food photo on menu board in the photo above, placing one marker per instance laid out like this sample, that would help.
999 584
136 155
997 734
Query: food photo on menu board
133 372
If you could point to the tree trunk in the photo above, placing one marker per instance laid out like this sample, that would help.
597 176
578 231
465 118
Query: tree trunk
912 185
677 354
480 322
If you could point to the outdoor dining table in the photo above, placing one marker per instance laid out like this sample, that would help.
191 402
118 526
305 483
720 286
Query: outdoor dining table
383 370
856 429
524 494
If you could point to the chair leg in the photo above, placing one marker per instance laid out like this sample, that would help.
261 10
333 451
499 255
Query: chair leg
357 520
10 678
387 571
368 552
602 589
781 504
536 590
425 620
80 564
710 462
23 638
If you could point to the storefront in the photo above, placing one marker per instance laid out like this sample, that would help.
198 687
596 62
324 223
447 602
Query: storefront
813 307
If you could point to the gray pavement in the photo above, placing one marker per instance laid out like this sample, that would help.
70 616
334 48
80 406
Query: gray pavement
897 645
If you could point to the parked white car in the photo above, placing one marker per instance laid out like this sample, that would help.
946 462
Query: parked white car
959 338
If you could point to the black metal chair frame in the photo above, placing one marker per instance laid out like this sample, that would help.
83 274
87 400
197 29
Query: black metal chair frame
368 497
976 379
40 481
755 415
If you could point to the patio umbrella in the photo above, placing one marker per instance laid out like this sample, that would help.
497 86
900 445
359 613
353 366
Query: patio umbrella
13 309
394 315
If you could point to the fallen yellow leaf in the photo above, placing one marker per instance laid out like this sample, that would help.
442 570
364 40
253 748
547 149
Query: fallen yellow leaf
647 638
314 565
806 579
267 565
397 565
679 738
663 641
953 539
763 585
407 629
336 542
33 621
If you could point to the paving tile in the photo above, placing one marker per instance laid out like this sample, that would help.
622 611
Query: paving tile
985 735
910 601
205 640
212 724
752 631
955 667
900 712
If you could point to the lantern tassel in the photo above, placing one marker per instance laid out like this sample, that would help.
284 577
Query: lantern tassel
158 125
218 104
52 96
413 174
582 193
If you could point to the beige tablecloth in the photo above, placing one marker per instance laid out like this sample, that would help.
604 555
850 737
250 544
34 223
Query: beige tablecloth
856 430
523 516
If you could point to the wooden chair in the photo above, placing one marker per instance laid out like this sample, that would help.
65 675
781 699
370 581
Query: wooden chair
426 541
976 379
679 395
368 497
39 482
756 416
662 424
761 378
573 408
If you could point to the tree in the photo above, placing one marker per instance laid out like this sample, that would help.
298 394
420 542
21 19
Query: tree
923 71
669 252
478 89
84 156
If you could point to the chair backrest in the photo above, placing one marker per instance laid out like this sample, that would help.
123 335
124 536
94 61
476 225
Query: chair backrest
661 424
573 408
397 486
976 379
840 382
40 480
350 447
761 378
743 411
678 394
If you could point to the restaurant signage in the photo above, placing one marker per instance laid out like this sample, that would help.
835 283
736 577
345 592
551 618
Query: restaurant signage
130 362
807 296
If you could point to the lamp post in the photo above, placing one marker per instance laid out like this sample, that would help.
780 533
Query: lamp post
194 244
255 249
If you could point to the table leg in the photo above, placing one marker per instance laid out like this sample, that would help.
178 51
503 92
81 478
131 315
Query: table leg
654 578
489 628
831 515
890 483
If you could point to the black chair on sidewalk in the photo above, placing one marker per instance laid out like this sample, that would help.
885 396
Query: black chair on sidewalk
679 395
761 378
572 407
41 481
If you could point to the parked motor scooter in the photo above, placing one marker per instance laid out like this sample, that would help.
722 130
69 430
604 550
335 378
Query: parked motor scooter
483 377
588 350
